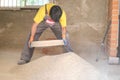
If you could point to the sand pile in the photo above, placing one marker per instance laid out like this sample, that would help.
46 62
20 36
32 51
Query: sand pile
68 66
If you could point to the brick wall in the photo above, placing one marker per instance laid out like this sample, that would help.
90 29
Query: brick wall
112 37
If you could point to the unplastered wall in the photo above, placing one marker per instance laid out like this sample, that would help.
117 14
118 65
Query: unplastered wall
85 10
14 27
87 21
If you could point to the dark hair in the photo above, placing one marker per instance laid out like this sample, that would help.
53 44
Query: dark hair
55 13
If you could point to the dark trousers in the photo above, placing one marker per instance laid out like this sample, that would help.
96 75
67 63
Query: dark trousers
57 30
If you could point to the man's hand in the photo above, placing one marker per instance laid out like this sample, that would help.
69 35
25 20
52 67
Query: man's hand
65 42
29 42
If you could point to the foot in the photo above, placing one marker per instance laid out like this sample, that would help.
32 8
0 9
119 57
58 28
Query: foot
21 62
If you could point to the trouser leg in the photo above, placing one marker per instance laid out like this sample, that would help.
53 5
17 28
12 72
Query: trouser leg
57 30
28 52
68 46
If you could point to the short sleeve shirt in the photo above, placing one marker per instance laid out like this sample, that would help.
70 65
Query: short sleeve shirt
42 12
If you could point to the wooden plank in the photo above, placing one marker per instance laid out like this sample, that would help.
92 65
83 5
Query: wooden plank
47 43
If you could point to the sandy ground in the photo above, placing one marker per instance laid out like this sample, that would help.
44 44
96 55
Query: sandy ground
60 66
66 66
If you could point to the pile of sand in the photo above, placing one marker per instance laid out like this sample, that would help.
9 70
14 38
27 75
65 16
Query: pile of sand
68 66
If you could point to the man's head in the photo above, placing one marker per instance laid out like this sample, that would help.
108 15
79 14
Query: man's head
55 13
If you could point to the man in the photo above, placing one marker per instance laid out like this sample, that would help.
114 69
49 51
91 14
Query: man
48 16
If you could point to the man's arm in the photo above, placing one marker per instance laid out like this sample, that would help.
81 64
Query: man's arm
63 32
33 31
64 36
